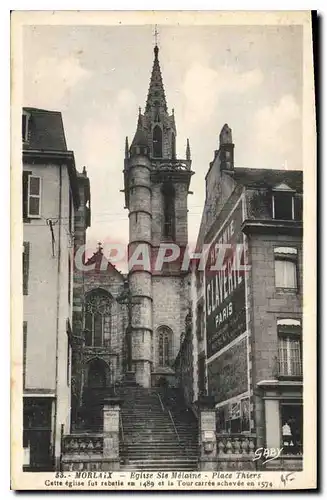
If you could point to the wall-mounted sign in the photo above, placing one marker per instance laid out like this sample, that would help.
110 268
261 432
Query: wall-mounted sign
228 373
225 285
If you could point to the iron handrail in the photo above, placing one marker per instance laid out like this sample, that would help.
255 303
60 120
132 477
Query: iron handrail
162 406
170 416
172 420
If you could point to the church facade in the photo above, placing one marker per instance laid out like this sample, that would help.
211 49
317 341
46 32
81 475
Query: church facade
131 325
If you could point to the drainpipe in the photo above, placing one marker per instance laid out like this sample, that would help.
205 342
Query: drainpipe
57 315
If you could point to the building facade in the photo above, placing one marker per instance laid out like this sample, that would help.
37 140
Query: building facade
248 327
50 199
156 191
100 352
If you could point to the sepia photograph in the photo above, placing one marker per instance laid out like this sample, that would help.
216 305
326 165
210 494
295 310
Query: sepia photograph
163 210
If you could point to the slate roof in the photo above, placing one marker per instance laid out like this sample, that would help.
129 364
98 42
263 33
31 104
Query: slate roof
45 130
269 178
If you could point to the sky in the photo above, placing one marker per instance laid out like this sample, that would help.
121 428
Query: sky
247 76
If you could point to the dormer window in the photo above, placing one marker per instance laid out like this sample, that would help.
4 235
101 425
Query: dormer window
25 123
283 202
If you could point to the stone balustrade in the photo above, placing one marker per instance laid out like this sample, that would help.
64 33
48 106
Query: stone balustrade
81 444
94 451
235 444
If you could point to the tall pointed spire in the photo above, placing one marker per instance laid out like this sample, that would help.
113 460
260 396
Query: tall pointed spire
126 147
156 94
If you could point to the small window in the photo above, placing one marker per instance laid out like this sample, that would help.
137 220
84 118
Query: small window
283 205
34 197
286 268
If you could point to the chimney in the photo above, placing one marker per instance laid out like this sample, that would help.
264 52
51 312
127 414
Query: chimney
226 149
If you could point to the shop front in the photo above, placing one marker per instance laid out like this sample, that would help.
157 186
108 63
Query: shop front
283 422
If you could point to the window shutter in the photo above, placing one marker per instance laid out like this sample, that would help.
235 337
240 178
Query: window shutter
26 174
26 262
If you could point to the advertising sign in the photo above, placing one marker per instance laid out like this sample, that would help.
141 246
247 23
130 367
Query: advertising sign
225 285
228 373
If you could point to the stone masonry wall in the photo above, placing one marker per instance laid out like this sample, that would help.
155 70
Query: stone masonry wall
168 302
269 304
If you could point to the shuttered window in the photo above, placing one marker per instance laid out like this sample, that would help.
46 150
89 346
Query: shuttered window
34 196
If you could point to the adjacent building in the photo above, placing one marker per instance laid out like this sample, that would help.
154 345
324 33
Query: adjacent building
50 199
247 334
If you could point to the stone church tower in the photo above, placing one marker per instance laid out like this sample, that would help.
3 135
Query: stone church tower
156 186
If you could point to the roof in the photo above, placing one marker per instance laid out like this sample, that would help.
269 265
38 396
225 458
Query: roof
45 130
46 142
269 178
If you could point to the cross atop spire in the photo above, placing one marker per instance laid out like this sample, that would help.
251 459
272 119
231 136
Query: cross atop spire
156 35
156 95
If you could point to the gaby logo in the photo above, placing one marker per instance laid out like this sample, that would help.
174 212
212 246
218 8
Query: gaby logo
268 454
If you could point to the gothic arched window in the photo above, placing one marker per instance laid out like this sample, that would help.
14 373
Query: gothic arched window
98 318
168 193
157 142
164 346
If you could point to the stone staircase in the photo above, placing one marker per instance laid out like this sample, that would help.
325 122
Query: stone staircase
158 433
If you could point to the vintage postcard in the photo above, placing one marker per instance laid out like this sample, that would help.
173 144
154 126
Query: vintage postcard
163 251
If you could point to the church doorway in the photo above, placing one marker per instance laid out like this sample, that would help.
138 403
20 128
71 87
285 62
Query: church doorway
96 390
